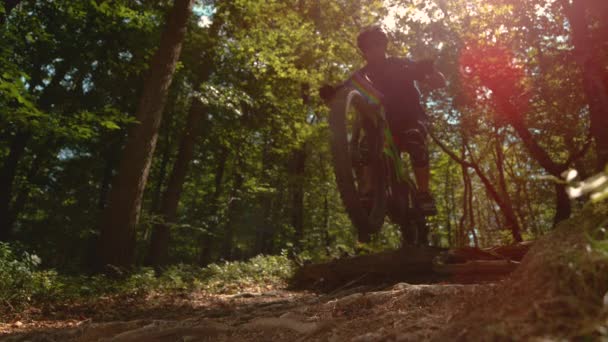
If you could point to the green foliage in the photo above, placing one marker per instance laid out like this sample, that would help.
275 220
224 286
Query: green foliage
62 61
21 280
260 271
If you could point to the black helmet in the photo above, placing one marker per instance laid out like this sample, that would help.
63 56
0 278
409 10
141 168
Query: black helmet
374 35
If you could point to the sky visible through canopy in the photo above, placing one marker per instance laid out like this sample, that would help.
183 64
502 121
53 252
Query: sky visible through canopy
205 12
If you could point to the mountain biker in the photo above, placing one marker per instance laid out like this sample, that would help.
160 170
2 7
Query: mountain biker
395 79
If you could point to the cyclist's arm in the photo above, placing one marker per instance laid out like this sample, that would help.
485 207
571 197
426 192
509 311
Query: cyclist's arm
425 71
328 91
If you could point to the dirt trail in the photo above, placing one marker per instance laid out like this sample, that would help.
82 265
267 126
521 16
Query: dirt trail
400 312
558 292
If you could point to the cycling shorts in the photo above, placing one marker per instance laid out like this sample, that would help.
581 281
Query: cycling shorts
413 140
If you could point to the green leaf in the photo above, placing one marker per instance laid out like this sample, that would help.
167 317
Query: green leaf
109 125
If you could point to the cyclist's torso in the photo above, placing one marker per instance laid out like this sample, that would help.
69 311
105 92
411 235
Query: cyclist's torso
395 79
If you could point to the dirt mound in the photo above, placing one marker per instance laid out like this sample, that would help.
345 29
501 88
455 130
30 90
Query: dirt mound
559 290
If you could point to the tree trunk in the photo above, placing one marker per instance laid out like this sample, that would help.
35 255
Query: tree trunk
461 239
264 231
234 201
206 240
7 178
506 197
117 237
506 210
297 166
472 222
563 209
159 244
23 195
593 83
164 164
448 195
111 160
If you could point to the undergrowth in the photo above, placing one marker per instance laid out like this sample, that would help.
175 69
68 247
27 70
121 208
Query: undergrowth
23 283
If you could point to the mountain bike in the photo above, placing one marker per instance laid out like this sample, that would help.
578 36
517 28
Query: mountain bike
371 176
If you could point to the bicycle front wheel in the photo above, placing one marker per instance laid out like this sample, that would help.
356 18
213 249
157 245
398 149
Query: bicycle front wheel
356 144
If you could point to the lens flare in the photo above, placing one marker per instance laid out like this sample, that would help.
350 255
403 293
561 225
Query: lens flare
494 67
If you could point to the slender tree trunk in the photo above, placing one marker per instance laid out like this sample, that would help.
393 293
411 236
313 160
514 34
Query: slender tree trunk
500 168
507 211
472 221
264 231
563 206
207 239
234 201
110 160
532 215
117 237
563 210
461 239
504 191
447 187
164 164
7 179
327 241
159 244
296 169
325 234
453 214
483 214
21 199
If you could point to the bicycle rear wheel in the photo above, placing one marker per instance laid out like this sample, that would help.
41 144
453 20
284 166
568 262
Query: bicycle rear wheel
353 125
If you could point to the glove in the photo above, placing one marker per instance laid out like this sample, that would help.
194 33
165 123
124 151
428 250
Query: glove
426 66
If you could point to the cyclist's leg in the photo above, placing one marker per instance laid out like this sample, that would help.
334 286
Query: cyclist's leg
413 141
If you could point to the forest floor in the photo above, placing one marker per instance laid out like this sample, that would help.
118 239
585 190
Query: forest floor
558 292
402 312
398 312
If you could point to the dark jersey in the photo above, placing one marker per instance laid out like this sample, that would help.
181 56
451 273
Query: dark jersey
395 79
